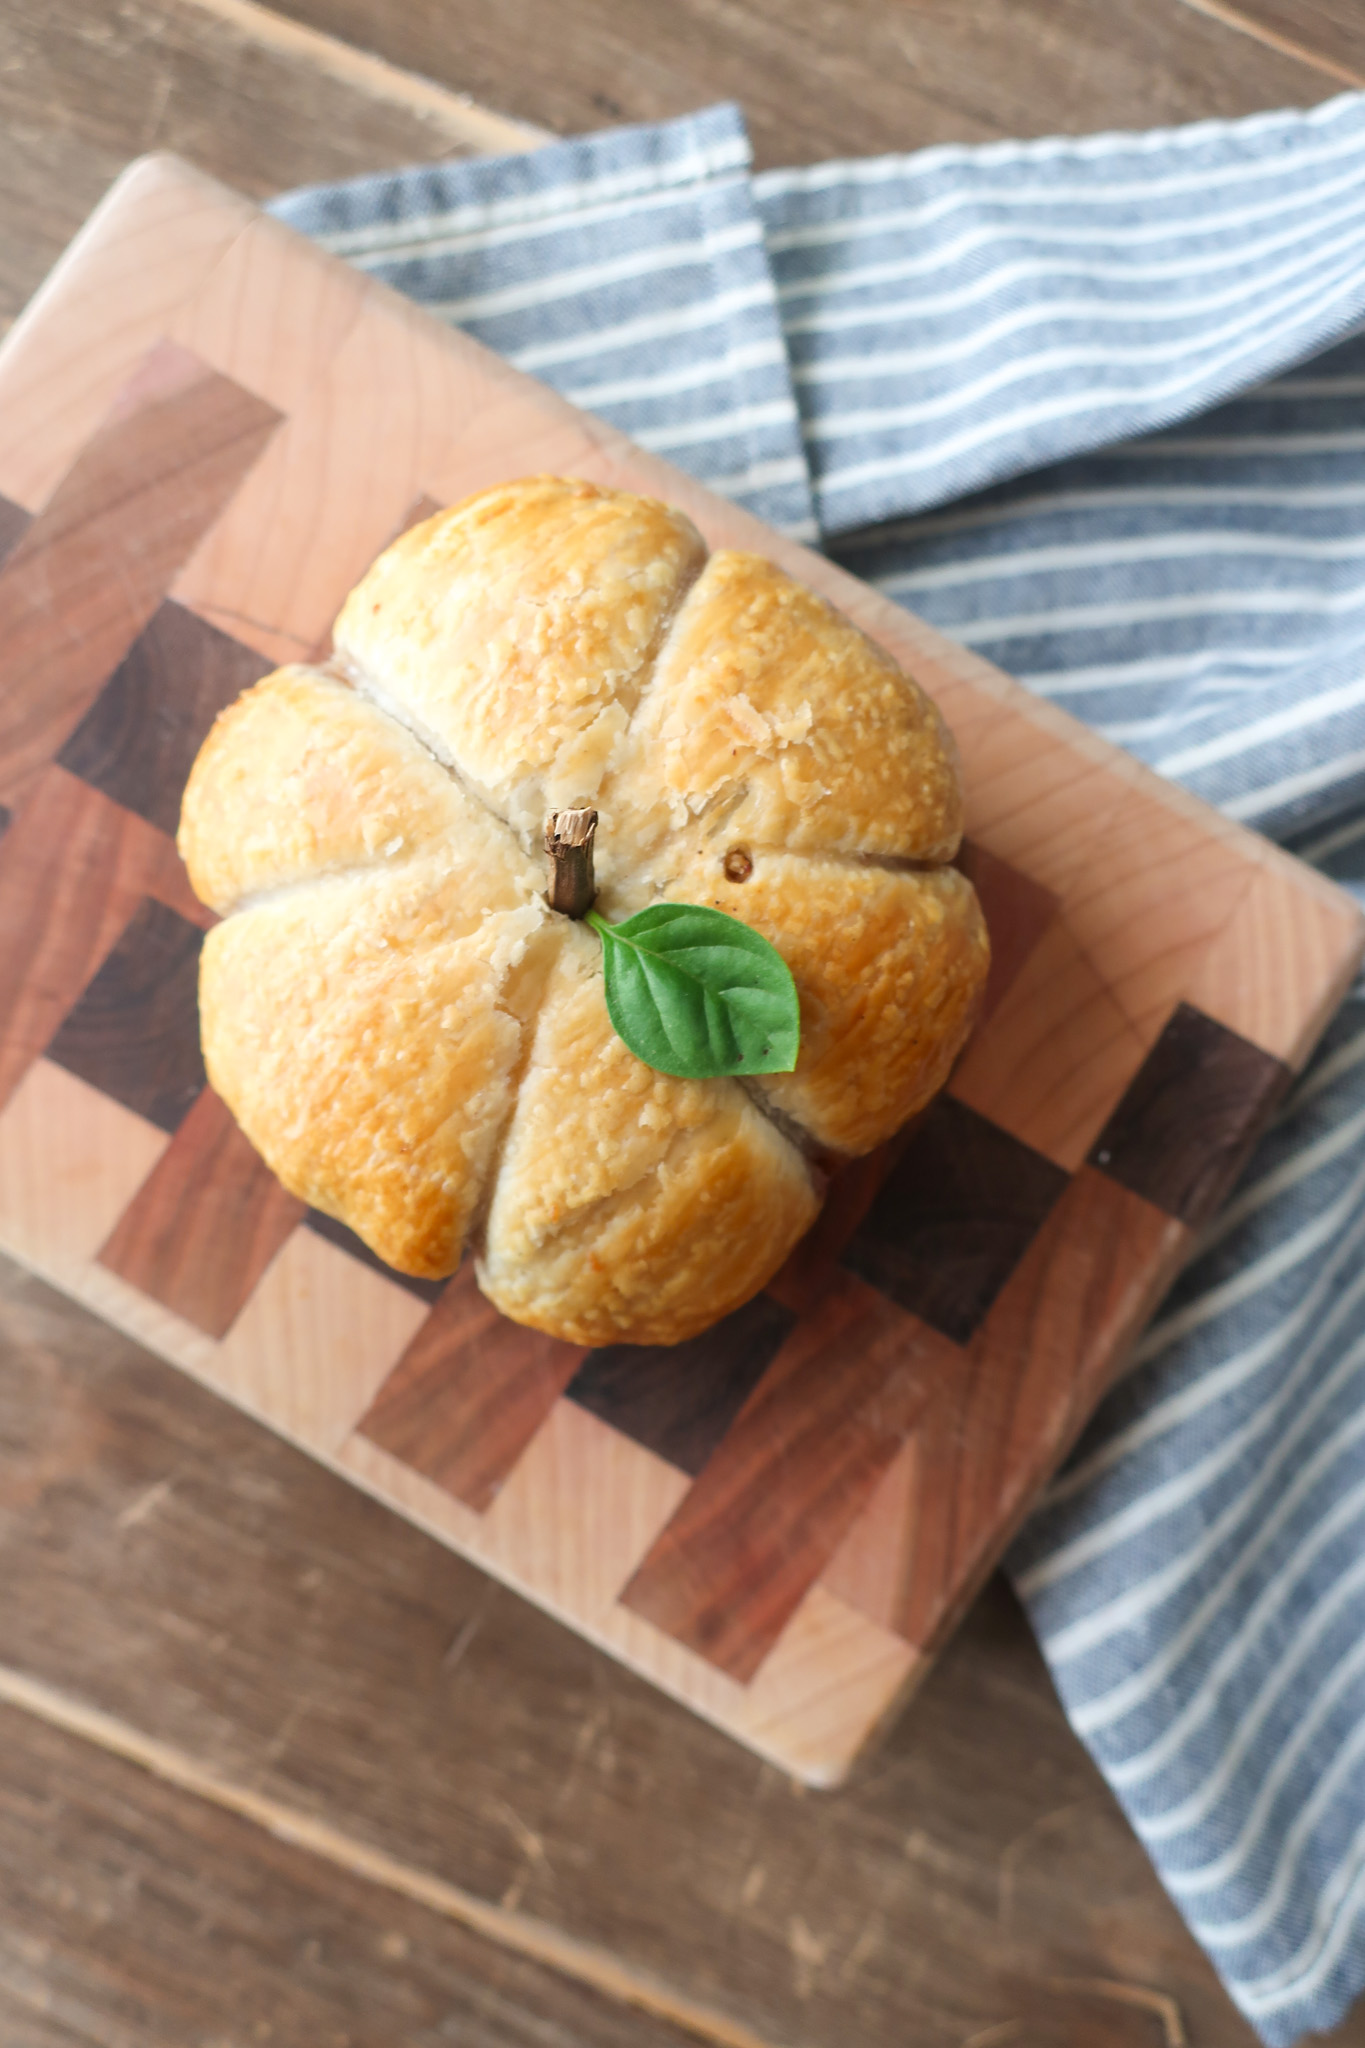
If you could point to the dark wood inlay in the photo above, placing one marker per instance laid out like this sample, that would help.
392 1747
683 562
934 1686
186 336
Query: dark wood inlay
14 523
166 876
346 1240
758 1527
134 1034
73 869
1017 910
91 569
1003 1413
205 1223
679 1400
1190 1116
138 740
422 507
469 1394
952 1220
853 1186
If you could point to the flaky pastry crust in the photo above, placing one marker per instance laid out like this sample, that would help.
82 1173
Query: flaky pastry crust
411 1038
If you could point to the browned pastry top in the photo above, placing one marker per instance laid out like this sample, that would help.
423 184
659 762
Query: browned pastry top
416 1043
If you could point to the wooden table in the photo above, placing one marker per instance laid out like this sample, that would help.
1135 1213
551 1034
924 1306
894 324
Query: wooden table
274 1767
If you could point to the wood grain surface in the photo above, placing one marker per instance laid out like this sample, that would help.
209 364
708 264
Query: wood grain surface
1329 34
300 413
87 84
258 97
167 1558
214 1592
93 1947
836 78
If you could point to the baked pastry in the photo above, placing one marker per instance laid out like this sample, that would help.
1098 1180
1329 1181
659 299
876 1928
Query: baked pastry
418 1045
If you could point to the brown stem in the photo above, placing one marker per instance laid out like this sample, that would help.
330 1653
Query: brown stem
568 841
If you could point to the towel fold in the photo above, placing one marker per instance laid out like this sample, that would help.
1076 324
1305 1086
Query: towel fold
1140 355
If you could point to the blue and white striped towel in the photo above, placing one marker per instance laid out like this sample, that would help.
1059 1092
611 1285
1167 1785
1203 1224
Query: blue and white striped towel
1141 354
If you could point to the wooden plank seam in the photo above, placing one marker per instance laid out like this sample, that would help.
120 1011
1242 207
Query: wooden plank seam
523 1935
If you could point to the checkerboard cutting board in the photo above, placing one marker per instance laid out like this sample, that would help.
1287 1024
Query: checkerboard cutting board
208 429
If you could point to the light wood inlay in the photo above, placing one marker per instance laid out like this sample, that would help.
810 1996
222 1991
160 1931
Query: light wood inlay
83 333
1275 946
71 1160
314 1343
345 472
1059 1052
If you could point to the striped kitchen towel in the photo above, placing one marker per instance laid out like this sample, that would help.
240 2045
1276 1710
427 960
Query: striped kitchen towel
1142 357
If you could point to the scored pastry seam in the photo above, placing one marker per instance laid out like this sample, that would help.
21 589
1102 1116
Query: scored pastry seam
529 1028
344 668
353 674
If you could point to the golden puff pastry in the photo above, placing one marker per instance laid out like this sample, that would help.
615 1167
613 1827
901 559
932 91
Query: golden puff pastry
419 1045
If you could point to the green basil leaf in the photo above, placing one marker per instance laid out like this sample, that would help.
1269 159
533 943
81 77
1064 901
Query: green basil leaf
696 993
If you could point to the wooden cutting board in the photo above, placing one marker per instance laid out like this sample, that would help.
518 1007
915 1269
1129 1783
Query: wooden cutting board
207 431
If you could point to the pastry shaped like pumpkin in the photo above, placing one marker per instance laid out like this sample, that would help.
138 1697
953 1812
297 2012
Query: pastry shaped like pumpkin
419 1045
